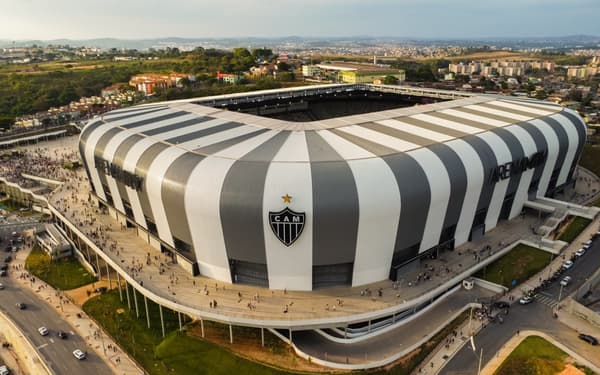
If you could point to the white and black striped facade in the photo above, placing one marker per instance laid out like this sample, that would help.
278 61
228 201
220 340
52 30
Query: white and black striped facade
376 190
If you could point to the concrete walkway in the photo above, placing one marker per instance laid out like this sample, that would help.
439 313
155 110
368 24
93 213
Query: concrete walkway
96 340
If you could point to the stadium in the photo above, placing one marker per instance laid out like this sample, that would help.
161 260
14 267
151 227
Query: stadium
331 185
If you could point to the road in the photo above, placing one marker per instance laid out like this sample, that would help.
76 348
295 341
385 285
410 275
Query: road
535 316
57 353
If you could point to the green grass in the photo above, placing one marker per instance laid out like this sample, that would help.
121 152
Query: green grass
178 353
182 353
534 356
577 225
519 264
64 274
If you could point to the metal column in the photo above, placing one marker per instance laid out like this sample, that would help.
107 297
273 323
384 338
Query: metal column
202 327
262 336
162 321
127 292
147 314
108 274
179 317
119 285
137 310
230 334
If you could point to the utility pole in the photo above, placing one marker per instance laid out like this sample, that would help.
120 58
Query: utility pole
480 358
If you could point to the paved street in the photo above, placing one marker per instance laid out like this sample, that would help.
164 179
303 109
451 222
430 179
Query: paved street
55 352
391 343
535 316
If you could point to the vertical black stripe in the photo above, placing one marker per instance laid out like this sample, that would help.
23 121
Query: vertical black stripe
141 170
581 133
489 161
335 204
119 160
173 190
415 196
458 183
99 152
563 147
541 145
241 202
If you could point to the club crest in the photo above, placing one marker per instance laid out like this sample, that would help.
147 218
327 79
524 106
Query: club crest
287 225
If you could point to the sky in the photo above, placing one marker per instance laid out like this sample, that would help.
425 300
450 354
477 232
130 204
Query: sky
143 19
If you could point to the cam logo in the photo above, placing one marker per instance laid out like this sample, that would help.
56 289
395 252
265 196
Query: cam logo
287 225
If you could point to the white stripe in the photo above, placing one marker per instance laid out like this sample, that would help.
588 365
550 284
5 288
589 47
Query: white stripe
189 129
529 148
415 130
160 124
379 216
522 108
218 137
202 201
377 137
153 185
571 151
346 149
128 110
498 112
438 121
439 186
476 118
536 103
90 149
553 150
289 267
143 116
503 156
129 164
475 179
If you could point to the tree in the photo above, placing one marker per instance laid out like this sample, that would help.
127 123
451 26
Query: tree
390 80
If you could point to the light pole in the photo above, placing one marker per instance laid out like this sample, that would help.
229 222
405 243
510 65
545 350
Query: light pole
480 358
559 296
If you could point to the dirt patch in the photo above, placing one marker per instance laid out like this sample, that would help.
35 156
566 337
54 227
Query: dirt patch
80 295
571 370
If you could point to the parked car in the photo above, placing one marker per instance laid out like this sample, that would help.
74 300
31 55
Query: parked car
61 334
1 286
4 370
501 305
565 281
3 273
79 354
568 264
587 244
21 305
43 331
580 252
526 300
588 338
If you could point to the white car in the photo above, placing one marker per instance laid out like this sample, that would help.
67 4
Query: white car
4 370
43 331
526 300
565 281
580 252
78 354
568 264
587 244
1 286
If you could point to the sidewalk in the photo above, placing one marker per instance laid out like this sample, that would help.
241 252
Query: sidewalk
95 338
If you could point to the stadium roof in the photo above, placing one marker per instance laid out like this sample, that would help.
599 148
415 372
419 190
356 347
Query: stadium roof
207 130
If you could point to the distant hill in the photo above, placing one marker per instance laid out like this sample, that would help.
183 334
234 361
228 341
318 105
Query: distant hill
144 44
